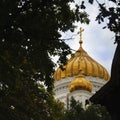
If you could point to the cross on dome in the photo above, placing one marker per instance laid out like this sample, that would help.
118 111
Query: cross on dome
80 33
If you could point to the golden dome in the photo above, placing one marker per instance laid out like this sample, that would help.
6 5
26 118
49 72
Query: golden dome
80 83
81 60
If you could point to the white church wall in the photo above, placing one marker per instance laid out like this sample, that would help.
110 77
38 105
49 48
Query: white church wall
61 89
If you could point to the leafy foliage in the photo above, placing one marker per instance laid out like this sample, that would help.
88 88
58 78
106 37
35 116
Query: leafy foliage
113 16
92 112
29 103
29 35
97 112
75 111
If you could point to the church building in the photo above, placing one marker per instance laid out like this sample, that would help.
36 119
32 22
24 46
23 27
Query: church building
81 78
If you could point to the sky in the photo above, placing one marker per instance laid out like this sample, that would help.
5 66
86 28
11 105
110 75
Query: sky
97 42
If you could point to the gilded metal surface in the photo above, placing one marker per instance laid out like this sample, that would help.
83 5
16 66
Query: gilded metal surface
81 60
80 83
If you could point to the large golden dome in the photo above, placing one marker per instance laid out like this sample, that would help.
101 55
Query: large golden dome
80 83
81 60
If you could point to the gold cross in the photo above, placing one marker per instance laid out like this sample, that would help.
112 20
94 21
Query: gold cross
80 32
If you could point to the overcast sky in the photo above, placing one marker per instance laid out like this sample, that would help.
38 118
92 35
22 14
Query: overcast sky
97 42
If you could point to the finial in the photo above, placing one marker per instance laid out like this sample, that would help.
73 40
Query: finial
80 33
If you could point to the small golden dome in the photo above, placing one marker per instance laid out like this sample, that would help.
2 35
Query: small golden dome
80 83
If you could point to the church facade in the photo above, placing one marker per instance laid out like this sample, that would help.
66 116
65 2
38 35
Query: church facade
81 78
